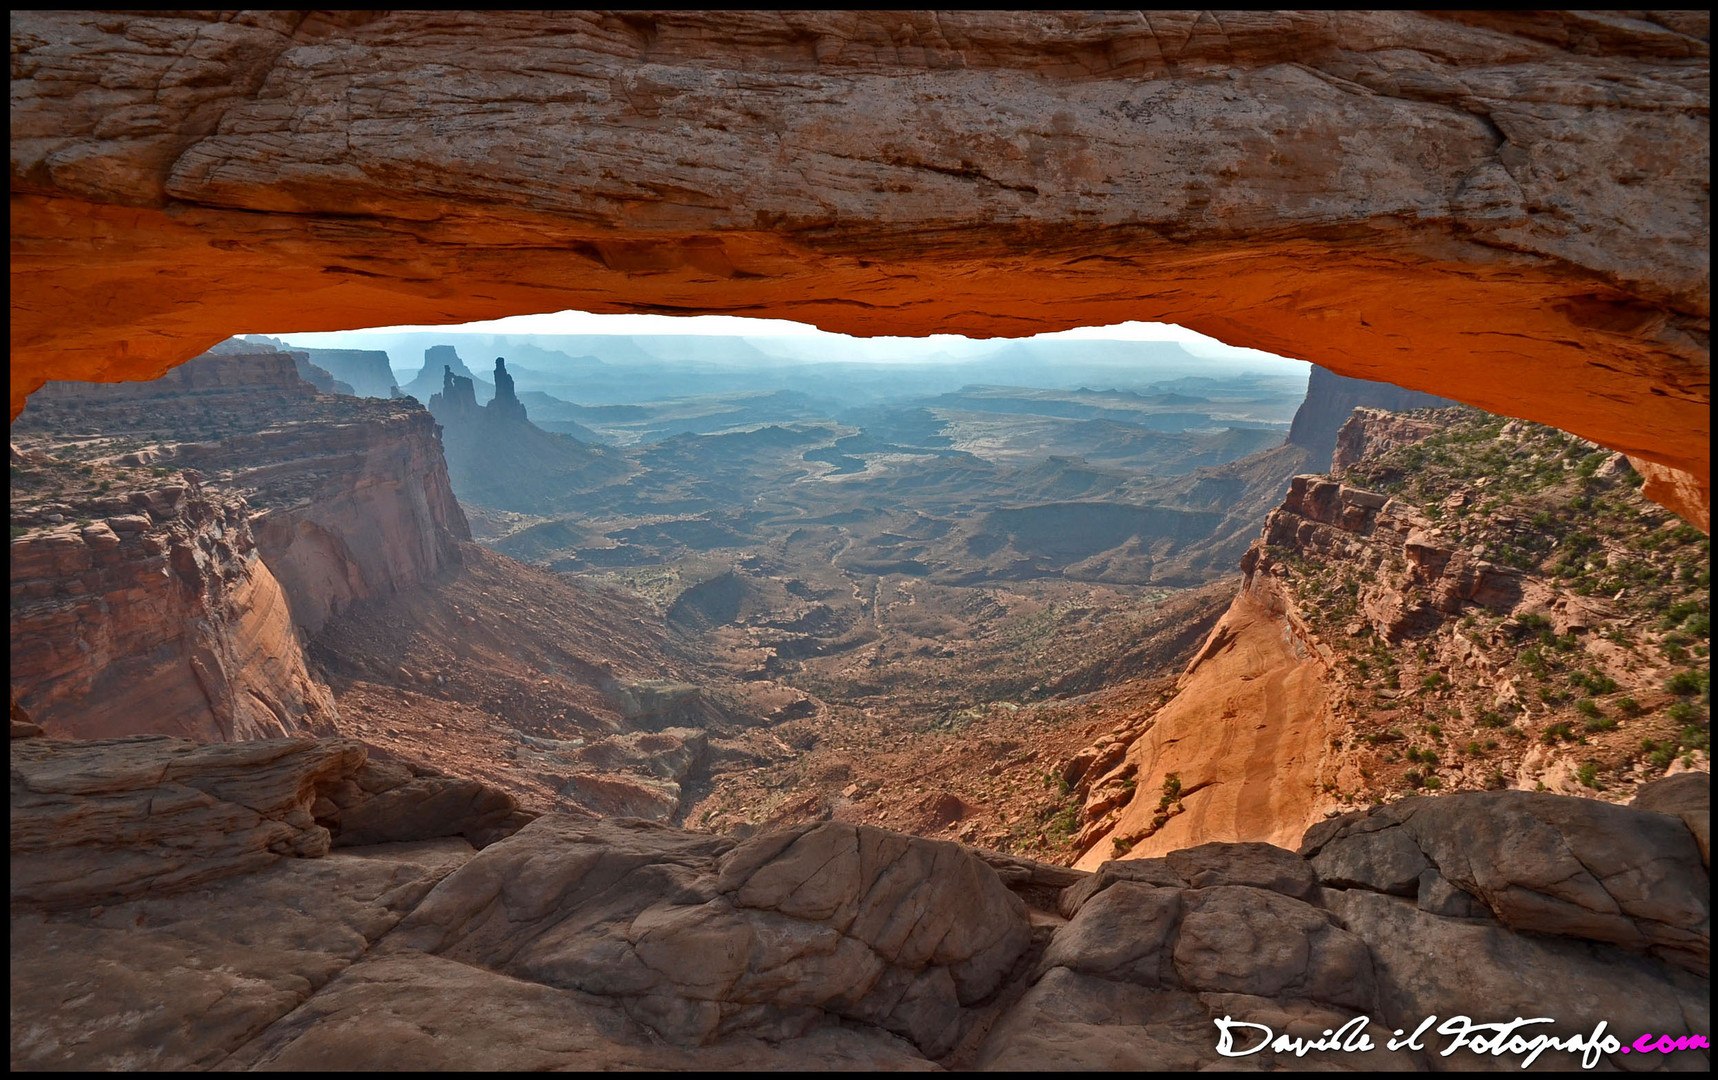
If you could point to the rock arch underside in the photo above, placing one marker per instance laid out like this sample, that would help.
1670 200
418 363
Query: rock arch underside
1508 209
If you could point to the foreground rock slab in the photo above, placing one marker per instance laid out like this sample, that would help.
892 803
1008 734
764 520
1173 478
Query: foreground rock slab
180 982
115 819
624 943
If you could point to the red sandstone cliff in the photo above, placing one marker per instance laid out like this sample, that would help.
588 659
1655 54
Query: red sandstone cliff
350 497
344 511
159 617
1480 605
191 622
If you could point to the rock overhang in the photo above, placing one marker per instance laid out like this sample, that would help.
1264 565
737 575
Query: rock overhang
1511 211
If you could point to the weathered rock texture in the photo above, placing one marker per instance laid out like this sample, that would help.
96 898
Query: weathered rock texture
116 819
1497 549
582 945
1243 740
346 510
1547 863
157 616
1511 209
349 499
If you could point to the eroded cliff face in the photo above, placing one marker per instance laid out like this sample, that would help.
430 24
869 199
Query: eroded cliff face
345 510
348 498
1469 604
1506 208
1238 754
158 615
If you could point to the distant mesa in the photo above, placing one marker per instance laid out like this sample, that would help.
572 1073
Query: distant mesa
354 372
429 380
1330 398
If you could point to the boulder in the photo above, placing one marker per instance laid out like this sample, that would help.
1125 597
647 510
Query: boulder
701 940
1263 866
1386 861
1429 965
1147 871
1540 862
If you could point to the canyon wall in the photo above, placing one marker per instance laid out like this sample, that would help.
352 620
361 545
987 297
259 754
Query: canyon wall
1510 209
344 510
228 368
1237 754
365 370
349 497
1466 604
1330 398
157 615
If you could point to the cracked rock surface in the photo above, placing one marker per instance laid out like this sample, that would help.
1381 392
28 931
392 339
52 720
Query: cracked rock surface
624 943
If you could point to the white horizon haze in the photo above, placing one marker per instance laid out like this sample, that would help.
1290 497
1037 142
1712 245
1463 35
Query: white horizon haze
759 331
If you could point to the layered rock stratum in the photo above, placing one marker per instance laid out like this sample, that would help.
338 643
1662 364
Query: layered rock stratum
1467 603
348 499
154 613
245 919
1508 208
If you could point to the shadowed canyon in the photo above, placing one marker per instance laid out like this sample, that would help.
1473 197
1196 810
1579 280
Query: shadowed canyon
391 690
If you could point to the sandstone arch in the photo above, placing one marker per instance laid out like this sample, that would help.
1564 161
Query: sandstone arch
1508 209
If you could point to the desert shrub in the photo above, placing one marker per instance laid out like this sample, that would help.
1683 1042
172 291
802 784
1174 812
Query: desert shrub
1557 731
1601 723
1414 778
1588 774
1685 683
1596 683
1675 614
1432 783
1682 712
1588 707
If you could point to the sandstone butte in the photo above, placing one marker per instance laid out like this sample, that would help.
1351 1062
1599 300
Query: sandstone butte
1508 209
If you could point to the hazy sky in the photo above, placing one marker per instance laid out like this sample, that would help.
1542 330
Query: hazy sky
757 330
